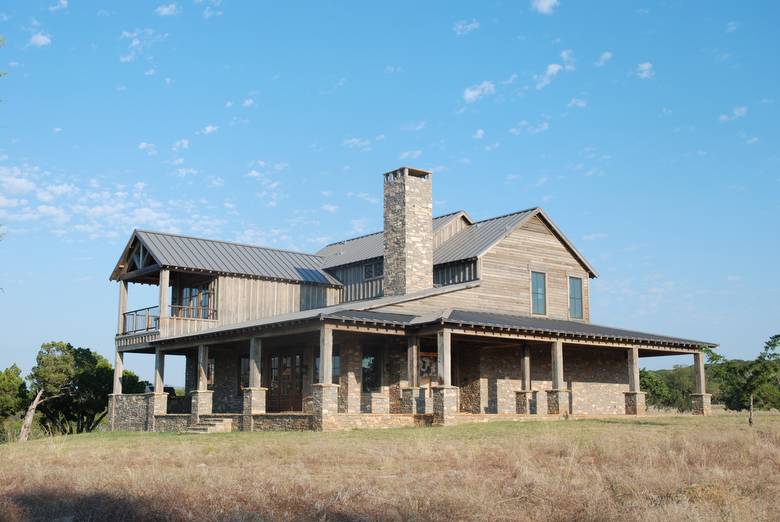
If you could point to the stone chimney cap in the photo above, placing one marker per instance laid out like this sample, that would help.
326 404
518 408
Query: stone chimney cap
411 171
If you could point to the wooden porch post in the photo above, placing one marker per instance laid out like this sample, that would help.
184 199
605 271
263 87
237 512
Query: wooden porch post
119 368
412 358
164 283
326 354
698 368
444 356
159 371
203 364
526 367
557 365
633 370
120 329
255 356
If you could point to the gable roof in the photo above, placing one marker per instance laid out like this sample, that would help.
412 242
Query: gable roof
223 257
471 242
369 246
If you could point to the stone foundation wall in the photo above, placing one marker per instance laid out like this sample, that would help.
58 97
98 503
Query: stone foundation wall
597 378
228 397
469 379
353 421
350 379
130 412
701 403
501 377
282 422
171 423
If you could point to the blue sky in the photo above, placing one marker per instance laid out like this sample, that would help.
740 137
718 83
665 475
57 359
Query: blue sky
648 131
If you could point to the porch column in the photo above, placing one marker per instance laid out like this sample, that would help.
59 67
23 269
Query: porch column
325 393
164 283
557 397
119 368
524 395
254 395
159 371
120 329
445 396
201 396
700 398
409 395
635 399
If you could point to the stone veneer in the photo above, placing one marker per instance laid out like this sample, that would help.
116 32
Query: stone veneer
701 403
635 403
351 356
408 232
201 403
445 405
326 405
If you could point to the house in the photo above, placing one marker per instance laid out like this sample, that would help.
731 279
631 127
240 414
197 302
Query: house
432 321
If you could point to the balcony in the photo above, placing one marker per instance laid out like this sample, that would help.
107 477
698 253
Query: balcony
141 320
145 324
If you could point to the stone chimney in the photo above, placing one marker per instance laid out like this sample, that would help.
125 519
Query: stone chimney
408 231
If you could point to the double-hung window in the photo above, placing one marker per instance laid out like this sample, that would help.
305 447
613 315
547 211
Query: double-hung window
538 293
575 298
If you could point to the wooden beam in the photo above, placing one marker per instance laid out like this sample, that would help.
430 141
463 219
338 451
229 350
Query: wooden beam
326 354
119 368
203 364
164 284
633 369
120 329
698 369
139 273
556 350
412 360
526 367
159 371
444 356
255 358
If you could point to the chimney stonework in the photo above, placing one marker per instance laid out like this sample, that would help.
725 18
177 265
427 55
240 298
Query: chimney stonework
408 262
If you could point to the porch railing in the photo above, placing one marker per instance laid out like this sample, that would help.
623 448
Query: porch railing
193 312
142 320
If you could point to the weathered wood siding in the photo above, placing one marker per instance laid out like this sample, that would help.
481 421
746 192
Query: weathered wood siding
505 277
454 273
443 233
241 299
356 287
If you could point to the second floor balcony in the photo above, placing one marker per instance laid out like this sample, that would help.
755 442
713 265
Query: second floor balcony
179 319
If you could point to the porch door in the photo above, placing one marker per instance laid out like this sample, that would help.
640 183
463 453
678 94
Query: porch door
285 390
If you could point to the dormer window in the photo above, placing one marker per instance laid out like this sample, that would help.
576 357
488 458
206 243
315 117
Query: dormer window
373 270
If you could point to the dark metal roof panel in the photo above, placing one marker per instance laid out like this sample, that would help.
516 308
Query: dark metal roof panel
234 258
372 317
561 327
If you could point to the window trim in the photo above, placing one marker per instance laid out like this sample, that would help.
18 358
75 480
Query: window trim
531 291
569 277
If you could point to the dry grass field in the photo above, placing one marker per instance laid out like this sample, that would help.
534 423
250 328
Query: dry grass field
656 468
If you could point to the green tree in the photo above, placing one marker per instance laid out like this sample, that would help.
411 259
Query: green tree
740 381
76 383
13 392
656 389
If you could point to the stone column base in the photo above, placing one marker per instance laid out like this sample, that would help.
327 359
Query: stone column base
326 404
557 402
445 404
635 403
523 401
112 410
409 399
201 403
254 404
701 403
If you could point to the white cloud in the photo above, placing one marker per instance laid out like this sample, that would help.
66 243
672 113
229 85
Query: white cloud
150 72
595 236
604 58
567 55
544 6
59 6
463 27
208 129
414 126
149 148
736 113
577 103
368 198
491 147
40 39
181 144
526 126
410 154
330 208
357 143
478 134
509 80
56 130
167 10
644 71
249 102
186 171
732 27
543 80
208 12
751 141
475 92
139 41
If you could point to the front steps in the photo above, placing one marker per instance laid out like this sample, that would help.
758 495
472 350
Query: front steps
211 425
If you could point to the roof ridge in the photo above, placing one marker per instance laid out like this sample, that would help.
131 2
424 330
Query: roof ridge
507 215
236 243
382 231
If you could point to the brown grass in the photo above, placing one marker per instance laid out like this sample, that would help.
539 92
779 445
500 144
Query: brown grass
659 468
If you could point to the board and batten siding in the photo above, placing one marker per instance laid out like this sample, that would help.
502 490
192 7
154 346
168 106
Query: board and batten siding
444 232
242 299
505 277
454 273
356 286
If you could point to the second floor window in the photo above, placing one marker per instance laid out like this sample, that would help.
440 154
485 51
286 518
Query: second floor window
373 270
538 293
575 298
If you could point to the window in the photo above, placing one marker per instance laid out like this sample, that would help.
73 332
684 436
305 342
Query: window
193 302
575 298
373 270
336 364
538 293
372 370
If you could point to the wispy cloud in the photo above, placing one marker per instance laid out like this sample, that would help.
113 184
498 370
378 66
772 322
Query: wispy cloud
475 92
149 148
139 41
167 10
330 208
464 27
736 113
732 27
544 79
604 59
526 127
645 71
357 143
567 56
208 129
414 126
577 103
181 144
61 5
478 134
40 39
545 7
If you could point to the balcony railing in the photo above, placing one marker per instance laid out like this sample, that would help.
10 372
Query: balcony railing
142 320
147 319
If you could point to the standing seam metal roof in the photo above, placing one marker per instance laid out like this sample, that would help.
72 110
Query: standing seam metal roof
192 253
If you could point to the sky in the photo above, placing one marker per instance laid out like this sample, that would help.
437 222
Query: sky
647 131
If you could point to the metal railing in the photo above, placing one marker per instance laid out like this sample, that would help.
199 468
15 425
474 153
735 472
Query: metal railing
142 320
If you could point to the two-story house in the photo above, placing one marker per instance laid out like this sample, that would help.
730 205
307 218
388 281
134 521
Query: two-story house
432 321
